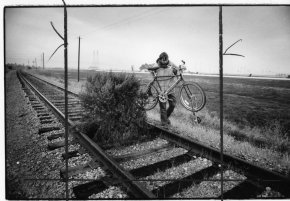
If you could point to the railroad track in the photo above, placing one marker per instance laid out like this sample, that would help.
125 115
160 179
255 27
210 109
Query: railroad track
178 167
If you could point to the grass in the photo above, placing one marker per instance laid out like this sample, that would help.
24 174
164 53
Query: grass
256 114
248 102
265 157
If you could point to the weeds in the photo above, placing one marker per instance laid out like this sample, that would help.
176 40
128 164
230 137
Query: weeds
272 135
112 115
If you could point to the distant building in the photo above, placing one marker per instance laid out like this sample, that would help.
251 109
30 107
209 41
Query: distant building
95 62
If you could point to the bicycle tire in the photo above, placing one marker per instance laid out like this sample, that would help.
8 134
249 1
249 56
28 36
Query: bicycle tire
189 90
151 100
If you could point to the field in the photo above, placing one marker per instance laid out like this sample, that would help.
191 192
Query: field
247 102
251 102
255 110
256 115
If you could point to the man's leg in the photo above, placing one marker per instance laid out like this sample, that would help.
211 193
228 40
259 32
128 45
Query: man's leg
172 103
163 113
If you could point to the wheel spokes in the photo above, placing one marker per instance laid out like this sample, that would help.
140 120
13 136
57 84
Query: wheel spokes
191 97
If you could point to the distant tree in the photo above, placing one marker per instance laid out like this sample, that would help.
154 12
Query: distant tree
288 76
9 67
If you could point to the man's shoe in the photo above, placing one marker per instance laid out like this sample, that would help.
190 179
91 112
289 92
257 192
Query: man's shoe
166 123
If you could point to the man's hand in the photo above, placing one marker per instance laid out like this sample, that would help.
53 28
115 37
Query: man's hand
152 72
174 70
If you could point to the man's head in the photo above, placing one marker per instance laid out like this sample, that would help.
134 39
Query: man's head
163 59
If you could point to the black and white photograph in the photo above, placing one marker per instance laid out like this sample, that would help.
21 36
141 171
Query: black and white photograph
145 100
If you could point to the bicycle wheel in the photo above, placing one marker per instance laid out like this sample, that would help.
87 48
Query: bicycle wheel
192 97
150 96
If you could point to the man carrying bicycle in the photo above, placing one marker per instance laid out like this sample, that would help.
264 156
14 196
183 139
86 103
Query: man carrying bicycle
164 67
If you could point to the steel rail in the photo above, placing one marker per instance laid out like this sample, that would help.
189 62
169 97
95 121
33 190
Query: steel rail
253 172
277 181
61 88
125 178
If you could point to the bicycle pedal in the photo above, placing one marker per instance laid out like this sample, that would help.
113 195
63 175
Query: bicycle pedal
197 120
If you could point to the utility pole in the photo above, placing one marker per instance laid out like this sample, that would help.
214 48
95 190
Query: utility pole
43 60
79 59
66 94
221 90
35 63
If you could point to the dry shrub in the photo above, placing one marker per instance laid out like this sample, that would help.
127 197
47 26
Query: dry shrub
110 103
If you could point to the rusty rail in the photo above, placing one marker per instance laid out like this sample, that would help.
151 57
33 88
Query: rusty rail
125 178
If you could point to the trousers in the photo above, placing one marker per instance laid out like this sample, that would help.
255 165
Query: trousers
165 114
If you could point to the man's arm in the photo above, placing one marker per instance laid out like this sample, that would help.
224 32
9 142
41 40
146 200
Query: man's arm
154 67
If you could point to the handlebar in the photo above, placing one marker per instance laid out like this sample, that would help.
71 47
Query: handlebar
182 67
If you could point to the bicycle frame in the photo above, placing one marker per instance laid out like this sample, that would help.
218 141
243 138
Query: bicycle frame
180 79
189 92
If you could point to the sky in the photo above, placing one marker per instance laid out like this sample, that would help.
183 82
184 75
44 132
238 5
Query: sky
118 38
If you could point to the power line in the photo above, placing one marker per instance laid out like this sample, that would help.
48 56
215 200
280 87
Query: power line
112 23
129 19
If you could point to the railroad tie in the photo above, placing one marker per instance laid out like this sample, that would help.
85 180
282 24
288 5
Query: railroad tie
74 153
71 171
40 110
83 191
41 118
47 129
245 190
56 145
34 102
73 114
47 121
70 154
69 104
76 118
174 187
43 114
160 166
59 144
37 105
134 156
55 136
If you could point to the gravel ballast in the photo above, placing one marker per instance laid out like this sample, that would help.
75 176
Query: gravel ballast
27 157
33 171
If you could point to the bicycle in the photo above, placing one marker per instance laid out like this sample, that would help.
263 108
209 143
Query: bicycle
191 95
